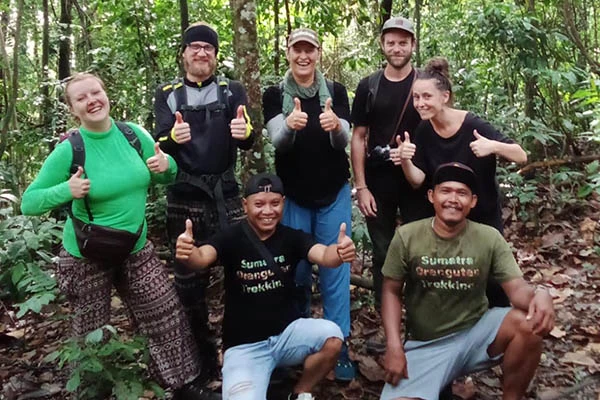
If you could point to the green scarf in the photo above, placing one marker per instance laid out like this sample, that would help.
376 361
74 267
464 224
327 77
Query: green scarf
291 89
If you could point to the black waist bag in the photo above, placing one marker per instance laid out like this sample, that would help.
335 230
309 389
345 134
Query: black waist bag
107 246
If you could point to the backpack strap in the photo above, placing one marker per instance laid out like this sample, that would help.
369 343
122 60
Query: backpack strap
180 93
131 137
373 84
223 94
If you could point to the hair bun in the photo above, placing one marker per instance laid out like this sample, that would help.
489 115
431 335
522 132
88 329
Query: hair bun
438 65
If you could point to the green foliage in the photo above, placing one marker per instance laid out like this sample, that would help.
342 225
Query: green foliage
25 249
592 183
106 364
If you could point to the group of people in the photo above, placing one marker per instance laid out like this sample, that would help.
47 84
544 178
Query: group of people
411 153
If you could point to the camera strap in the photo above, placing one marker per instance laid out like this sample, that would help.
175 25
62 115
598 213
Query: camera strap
408 98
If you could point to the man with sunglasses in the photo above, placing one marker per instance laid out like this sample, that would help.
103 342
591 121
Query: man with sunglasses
201 121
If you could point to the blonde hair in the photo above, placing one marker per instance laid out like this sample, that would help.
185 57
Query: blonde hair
78 77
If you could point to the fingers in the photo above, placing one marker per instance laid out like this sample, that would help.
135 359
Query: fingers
240 112
342 233
297 106
328 105
178 118
189 228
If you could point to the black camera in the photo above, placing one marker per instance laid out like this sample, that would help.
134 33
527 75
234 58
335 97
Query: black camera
380 154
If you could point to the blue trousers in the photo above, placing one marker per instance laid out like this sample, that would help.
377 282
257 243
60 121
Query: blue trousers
324 224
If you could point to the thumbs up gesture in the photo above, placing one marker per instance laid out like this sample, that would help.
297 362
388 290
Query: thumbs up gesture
297 119
79 187
329 121
185 242
238 125
482 146
181 130
159 162
407 149
345 246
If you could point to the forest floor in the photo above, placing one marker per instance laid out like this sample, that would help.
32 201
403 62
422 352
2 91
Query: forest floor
559 251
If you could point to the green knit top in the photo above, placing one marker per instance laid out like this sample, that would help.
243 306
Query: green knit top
119 181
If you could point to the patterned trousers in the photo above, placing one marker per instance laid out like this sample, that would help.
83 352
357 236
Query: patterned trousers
150 300
191 284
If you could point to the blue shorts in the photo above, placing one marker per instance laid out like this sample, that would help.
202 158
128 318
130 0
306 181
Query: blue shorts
247 367
434 364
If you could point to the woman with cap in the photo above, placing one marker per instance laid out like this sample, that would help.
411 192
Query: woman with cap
104 237
448 134
307 119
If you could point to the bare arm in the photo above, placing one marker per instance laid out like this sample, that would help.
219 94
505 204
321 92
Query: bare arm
413 174
483 147
190 255
536 303
391 314
335 254
358 156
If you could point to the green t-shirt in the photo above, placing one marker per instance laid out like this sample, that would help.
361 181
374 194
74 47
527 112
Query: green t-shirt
119 180
445 279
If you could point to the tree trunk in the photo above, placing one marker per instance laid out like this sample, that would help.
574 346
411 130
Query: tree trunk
385 11
45 88
11 115
417 19
247 65
276 59
64 49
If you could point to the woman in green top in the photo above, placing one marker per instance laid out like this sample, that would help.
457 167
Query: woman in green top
114 181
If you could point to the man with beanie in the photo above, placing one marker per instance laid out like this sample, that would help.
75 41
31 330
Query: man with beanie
201 121
439 268
262 327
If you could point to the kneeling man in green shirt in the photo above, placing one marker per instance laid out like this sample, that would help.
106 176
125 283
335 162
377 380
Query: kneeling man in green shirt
439 268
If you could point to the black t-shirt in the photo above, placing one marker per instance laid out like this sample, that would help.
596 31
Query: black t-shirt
259 303
312 171
385 111
433 150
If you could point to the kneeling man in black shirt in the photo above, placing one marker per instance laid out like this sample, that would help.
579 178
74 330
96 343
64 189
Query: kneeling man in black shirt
261 326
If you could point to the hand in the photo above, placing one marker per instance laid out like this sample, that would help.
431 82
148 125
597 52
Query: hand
405 147
329 121
395 155
541 313
345 246
366 202
297 119
181 130
395 365
482 146
159 162
185 243
238 125
79 187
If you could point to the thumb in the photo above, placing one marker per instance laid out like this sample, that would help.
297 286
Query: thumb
328 104
297 106
240 112
178 118
342 233
398 140
157 149
78 173
406 137
476 134
189 228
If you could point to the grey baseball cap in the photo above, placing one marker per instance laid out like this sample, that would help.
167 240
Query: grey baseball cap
398 23
303 35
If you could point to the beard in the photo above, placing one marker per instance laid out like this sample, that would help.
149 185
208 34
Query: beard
202 70
398 63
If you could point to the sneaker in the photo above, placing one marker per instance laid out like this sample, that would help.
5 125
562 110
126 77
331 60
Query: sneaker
194 391
301 396
345 369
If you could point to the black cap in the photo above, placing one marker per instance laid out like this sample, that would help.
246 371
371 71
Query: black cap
457 172
201 33
264 182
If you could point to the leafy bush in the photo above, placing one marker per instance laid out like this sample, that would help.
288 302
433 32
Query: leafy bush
106 364
25 249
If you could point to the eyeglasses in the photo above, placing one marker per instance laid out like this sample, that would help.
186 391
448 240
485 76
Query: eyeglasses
195 48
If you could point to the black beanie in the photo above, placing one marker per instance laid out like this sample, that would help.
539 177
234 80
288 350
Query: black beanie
201 33
457 172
